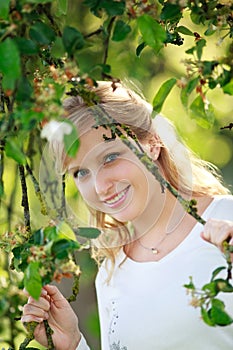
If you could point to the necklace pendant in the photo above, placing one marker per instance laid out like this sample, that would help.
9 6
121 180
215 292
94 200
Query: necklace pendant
154 251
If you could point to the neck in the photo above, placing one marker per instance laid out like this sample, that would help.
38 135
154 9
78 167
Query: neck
163 214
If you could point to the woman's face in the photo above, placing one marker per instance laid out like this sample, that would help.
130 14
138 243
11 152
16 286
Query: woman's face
111 178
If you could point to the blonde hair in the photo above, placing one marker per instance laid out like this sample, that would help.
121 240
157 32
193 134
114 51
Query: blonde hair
180 166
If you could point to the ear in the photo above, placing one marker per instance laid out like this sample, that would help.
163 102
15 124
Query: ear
152 146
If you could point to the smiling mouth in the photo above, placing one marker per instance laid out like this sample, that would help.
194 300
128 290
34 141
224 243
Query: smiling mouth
116 198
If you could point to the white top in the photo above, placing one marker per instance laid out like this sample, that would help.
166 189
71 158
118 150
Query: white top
145 305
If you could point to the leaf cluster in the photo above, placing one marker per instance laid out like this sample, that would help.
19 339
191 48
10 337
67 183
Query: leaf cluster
213 310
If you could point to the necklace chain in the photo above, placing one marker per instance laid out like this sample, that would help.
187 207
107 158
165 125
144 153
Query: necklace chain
154 250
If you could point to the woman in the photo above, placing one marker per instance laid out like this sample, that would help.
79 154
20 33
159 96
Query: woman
150 245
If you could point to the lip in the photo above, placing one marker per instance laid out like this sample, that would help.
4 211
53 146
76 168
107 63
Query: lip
117 198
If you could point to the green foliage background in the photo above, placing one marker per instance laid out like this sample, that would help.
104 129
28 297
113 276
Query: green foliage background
178 53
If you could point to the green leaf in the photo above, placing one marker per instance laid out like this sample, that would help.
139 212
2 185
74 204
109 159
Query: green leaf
37 1
152 32
140 48
113 8
58 49
62 7
208 67
72 40
41 33
211 287
121 30
39 237
162 94
171 12
71 142
190 285
32 280
184 30
88 232
217 271
10 65
224 285
199 47
211 30
207 318
50 233
62 248
203 113
4 9
26 46
228 88
65 231
187 90
219 314
24 90
13 150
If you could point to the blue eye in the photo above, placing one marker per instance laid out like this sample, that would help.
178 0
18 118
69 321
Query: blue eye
80 173
111 157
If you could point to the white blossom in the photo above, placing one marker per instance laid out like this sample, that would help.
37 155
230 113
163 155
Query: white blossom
55 131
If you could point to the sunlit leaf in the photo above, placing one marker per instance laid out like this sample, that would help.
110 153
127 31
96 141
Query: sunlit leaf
152 32
50 233
162 94
202 113
71 142
62 6
65 231
228 88
13 150
32 280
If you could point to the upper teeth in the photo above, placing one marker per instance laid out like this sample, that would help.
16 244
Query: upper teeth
117 197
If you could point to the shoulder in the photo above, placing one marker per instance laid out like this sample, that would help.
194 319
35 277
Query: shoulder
221 207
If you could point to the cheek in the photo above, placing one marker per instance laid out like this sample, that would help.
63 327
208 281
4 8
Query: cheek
85 190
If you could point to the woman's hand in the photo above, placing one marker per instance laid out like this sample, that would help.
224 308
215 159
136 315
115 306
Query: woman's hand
217 231
52 306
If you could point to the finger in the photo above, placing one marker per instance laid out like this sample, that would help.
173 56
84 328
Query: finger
58 299
44 293
41 303
31 318
29 309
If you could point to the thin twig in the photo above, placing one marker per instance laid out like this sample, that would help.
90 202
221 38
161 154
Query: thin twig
106 41
25 203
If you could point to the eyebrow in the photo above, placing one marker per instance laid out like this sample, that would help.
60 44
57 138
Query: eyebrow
111 145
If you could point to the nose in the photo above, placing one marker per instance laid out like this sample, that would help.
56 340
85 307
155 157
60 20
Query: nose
103 182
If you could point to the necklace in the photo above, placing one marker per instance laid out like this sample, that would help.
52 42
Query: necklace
154 250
